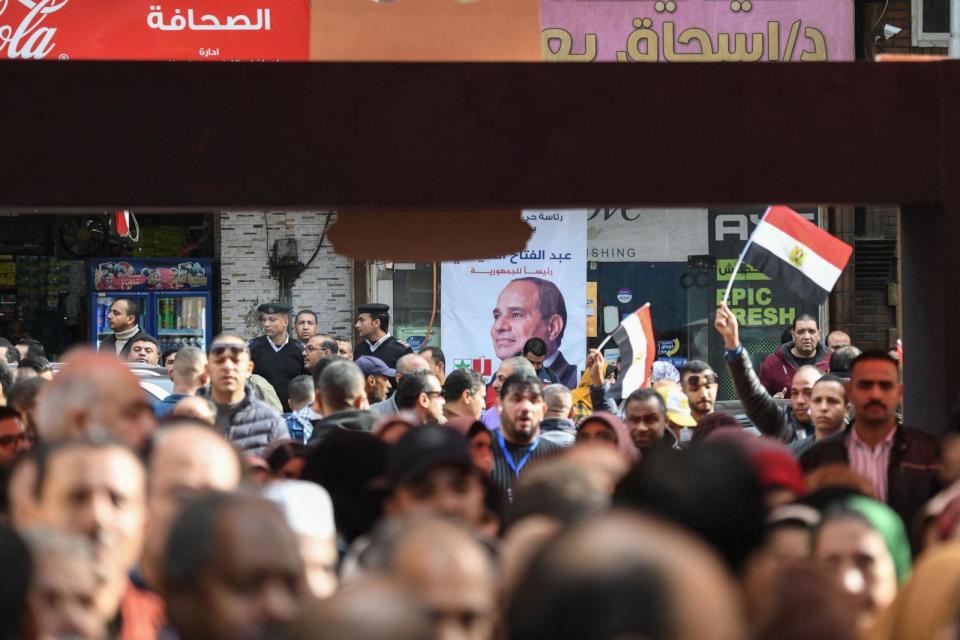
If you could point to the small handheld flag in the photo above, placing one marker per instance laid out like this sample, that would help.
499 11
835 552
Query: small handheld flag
634 337
787 246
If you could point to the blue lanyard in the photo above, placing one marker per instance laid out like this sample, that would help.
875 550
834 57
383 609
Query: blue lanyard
518 466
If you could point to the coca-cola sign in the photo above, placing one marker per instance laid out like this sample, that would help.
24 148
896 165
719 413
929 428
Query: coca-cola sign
154 30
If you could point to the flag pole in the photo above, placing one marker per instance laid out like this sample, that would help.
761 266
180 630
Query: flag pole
733 276
605 341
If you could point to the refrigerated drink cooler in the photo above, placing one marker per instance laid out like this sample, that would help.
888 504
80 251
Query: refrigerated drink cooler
173 294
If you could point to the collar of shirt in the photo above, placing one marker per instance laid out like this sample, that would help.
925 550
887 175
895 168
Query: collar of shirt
374 345
550 359
886 443
129 333
276 349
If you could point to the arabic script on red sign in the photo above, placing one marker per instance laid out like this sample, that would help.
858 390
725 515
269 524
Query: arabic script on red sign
250 30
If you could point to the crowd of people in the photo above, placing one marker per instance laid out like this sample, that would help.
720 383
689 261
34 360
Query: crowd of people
298 486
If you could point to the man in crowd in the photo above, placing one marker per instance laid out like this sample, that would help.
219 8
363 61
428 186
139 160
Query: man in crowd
318 347
510 366
900 463
464 394
8 353
527 308
841 359
535 350
436 361
22 396
828 411
699 383
145 351
7 379
778 369
13 436
378 376
787 424
305 324
517 442
275 356
345 347
124 321
168 357
837 339
189 375
372 325
31 348
645 414
431 473
94 393
557 426
302 395
249 423
187 459
406 365
98 491
232 569
344 400
421 393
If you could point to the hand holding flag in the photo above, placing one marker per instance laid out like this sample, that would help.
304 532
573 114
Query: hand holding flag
634 337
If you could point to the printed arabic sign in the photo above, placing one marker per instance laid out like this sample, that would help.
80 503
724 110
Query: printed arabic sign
123 275
491 307
250 30
697 30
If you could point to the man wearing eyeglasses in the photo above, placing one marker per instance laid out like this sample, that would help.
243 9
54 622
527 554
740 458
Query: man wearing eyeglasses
276 356
13 437
699 382
778 369
317 348
243 419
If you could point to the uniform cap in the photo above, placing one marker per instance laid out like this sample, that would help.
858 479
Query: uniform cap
374 308
274 307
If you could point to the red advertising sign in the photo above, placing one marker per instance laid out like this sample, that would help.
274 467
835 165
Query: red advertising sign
249 30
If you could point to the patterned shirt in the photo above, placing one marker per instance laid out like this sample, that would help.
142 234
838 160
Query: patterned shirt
505 474
871 462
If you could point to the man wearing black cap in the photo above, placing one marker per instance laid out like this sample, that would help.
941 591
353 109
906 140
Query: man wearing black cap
373 322
276 356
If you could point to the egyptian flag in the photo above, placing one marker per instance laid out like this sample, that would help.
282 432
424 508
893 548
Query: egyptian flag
788 247
634 337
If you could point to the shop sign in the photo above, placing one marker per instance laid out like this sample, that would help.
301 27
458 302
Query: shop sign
250 30
645 235
153 275
697 30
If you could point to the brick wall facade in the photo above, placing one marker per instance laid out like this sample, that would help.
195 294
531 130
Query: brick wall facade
246 240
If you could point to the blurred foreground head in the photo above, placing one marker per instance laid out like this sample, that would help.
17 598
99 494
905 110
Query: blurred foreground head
373 610
623 575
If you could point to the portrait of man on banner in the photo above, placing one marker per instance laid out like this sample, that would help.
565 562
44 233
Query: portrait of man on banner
531 307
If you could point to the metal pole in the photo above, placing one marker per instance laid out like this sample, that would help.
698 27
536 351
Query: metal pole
955 28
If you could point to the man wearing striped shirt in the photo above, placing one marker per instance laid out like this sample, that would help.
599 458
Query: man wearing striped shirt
517 443
900 463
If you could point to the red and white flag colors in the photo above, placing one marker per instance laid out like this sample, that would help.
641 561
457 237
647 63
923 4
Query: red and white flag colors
634 337
787 246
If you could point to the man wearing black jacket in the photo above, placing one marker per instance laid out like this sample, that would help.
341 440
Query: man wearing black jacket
342 389
124 321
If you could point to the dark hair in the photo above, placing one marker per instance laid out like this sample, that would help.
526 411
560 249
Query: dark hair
535 346
644 394
24 392
550 301
331 346
410 388
842 358
318 371
6 377
804 317
9 412
146 338
11 350
133 309
283 452
382 318
169 352
694 366
476 429
17 574
521 383
436 354
310 312
34 347
829 377
711 490
874 354
37 363
461 380
558 489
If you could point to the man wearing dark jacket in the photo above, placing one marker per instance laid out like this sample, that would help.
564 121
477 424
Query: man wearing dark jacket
276 356
373 322
124 321
244 420
343 392
788 424
900 463
778 369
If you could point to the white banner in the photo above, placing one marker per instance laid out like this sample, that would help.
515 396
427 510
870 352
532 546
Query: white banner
490 308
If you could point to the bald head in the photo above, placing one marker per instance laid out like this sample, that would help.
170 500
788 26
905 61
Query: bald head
372 610
94 392
837 339
189 370
637 583
409 363
801 390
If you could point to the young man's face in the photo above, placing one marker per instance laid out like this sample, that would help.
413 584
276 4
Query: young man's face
800 390
645 421
521 412
229 365
875 391
365 326
701 390
306 326
118 318
828 407
275 324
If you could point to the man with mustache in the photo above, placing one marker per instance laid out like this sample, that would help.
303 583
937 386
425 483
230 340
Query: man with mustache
900 463
778 369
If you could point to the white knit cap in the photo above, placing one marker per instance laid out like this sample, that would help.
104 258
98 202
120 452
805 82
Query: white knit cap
306 506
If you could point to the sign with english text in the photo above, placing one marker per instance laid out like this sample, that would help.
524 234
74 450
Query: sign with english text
248 30
491 307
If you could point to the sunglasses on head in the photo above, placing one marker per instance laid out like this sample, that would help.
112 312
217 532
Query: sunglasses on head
694 382
233 350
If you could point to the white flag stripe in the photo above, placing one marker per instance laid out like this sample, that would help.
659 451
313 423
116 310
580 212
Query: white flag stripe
781 244
636 372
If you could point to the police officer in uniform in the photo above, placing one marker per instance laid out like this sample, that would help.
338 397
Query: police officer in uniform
373 322
276 356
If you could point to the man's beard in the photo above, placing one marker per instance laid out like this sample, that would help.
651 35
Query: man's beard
518 434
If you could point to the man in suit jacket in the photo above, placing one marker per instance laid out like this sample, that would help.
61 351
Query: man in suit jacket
124 321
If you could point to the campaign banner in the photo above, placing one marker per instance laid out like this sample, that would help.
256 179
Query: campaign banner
697 30
491 307
238 30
